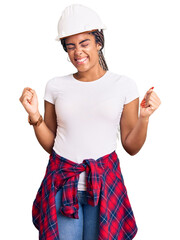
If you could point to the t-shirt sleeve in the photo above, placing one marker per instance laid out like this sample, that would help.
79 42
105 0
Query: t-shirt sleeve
48 94
131 90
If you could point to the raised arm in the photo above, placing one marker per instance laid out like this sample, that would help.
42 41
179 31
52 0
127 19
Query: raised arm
46 131
134 127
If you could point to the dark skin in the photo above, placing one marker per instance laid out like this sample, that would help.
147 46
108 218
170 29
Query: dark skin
133 126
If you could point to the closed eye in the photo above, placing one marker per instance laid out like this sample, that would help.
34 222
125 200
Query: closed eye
85 45
71 48
81 45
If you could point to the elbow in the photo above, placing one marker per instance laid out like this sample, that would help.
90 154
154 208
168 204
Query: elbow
131 151
48 148
49 151
132 148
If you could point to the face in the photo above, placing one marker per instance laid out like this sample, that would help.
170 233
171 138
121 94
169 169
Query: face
83 51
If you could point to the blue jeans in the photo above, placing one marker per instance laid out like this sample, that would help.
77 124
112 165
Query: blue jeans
84 228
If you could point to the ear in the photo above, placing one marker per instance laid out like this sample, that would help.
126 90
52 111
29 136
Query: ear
99 46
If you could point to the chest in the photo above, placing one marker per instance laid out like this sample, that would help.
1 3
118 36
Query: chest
89 103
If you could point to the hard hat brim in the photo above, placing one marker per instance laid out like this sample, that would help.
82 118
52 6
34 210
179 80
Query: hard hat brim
59 37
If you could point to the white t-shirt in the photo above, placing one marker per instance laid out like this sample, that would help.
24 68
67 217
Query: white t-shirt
88 115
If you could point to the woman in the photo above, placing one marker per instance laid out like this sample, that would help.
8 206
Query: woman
83 195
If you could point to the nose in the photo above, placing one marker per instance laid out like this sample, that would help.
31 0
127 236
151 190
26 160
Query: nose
78 51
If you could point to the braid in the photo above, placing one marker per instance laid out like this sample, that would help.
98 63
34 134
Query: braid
99 38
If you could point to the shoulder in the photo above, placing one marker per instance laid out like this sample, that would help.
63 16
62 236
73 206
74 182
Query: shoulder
125 86
54 86
57 81
123 79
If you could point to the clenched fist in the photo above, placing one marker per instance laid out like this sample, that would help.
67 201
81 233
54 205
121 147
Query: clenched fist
29 101
150 103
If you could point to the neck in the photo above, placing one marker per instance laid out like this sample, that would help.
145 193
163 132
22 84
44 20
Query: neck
90 75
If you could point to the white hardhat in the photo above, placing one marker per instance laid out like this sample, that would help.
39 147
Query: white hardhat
77 18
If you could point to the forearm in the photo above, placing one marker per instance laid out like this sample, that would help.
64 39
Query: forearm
137 136
43 134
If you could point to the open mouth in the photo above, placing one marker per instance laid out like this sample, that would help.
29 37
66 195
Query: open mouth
82 60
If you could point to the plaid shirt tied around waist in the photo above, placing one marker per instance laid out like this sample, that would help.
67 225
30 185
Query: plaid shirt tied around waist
104 183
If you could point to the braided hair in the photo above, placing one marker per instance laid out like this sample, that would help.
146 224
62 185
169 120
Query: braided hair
99 38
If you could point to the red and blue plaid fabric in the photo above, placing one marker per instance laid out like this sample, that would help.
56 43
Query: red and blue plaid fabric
104 183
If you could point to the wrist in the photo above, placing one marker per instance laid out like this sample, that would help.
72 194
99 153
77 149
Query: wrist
144 119
34 116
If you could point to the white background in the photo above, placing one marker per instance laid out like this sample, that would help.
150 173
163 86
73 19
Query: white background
141 41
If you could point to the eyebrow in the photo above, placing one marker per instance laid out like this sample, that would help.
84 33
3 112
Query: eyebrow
79 43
